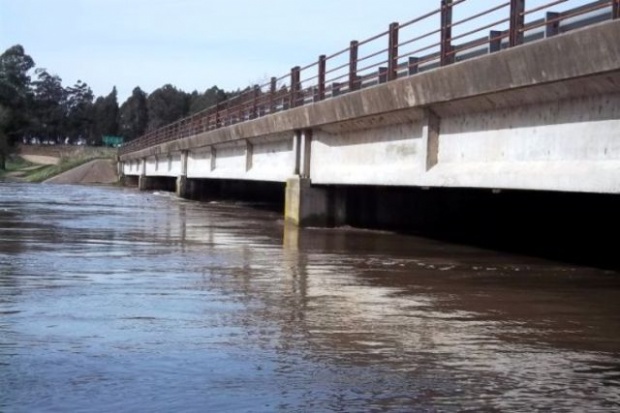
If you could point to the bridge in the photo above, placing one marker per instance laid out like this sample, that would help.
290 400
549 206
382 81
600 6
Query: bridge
512 97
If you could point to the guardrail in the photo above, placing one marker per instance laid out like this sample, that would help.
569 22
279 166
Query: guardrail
397 52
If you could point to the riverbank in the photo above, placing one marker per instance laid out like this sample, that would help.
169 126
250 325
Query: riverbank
89 166
98 171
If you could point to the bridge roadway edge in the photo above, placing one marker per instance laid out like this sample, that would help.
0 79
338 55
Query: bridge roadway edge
524 73
578 64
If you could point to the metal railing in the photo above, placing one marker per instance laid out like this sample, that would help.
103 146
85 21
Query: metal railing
395 53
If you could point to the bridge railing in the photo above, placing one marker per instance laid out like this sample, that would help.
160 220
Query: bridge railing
457 30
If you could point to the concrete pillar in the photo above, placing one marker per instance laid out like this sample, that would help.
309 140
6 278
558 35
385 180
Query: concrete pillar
338 206
143 180
249 155
290 240
304 204
297 152
130 180
120 171
145 183
305 151
184 157
431 132
181 189
213 158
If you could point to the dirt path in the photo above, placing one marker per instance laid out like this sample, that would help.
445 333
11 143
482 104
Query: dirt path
41 159
99 171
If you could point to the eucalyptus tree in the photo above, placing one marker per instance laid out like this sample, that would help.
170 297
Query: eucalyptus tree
80 111
106 114
15 96
49 106
210 97
166 105
134 115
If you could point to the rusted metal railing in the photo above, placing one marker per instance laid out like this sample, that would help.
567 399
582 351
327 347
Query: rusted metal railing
401 50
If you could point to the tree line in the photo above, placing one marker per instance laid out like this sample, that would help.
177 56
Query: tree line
34 104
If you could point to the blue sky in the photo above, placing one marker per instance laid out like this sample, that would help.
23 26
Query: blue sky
193 44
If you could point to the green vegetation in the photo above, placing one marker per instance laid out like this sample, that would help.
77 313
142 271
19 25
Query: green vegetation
20 169
35 107
67 163
15 164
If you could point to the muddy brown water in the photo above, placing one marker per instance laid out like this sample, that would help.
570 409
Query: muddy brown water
115 300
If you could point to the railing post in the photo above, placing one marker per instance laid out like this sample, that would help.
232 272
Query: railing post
335 89
353 83
322 70
254 111
272 95
495 41
383 74
553 24
413 65
615 14
295 87
517 22
393 52
447 57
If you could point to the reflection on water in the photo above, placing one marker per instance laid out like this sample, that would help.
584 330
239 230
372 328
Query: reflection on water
114 300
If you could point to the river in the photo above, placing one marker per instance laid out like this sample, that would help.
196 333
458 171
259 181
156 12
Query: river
112 300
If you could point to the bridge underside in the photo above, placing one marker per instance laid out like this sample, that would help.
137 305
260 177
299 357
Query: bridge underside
531 118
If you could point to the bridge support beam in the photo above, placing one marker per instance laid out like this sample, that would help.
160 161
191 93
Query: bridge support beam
129 180
181 188
305 205
145 183
156 183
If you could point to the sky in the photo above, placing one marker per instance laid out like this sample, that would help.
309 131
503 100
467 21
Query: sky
192 44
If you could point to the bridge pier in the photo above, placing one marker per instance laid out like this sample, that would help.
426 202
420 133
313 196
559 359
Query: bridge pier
156 183
338 205
129 180
195 189
304 204
182 187
144 182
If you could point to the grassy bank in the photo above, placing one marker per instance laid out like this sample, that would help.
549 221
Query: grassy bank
28 172
17 167
16 163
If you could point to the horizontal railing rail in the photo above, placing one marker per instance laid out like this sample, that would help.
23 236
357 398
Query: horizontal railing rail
402 50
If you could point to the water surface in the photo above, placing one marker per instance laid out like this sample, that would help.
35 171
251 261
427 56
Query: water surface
115 300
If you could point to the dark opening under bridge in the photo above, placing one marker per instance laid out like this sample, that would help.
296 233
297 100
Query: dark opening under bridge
511 96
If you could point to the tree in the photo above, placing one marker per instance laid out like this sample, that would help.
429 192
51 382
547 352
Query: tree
134 116
210 97
49 106
15 94
166 105
4 149
80 111
106 115
14 67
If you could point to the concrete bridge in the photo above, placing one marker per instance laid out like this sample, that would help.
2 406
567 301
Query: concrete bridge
532 106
